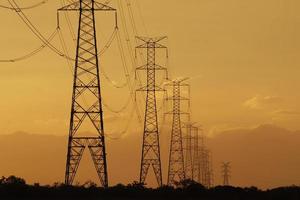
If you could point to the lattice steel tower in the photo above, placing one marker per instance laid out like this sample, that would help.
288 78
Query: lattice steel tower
151 147
188 162
206 167
86 124
196 159
176 171
226 172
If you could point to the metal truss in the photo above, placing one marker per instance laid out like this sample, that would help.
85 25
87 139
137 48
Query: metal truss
151 147
188 162
226 173
86 99
176 168
196 159
206 175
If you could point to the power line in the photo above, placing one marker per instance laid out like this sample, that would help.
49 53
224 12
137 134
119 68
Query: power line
72 33
117 111
128 41
122 133
25 8
115 35
101 52
47 42
34 30
65 54
106 46
141 16
127 76
32 53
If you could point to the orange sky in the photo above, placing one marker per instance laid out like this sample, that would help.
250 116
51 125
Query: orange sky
241 57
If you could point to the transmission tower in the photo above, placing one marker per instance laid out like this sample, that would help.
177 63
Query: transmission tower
151 147
206 167
188 160
176 171
86 123
196 160
226 172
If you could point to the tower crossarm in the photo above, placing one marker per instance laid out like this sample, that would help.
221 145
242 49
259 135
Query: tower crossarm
146 88
174 98
156 67
152 40
76 6
177 113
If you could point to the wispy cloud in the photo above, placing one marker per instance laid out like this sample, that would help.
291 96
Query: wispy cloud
220 128
261 102
286 112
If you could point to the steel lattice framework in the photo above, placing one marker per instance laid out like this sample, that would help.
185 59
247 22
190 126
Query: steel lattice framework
176 171
226 172
86 99
188 162
151 147
206 167
196 159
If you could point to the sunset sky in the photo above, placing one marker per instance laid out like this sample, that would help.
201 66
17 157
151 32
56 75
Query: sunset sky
241 57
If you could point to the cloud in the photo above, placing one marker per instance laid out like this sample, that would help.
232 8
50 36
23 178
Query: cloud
260 102
220 128
286 112
286 118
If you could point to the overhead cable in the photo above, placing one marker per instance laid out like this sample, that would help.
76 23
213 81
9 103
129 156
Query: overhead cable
34 30
32 53
25 8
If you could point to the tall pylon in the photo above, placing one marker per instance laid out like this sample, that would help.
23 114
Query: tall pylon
206 167
176 171
151 146
196 159
188 160
86 123
188 142
226 172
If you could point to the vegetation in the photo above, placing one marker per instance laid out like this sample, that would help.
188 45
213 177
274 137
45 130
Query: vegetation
16 188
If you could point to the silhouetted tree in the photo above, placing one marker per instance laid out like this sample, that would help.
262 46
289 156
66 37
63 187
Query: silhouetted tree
2 180
89 184
188 183
14 188
13 180
136 185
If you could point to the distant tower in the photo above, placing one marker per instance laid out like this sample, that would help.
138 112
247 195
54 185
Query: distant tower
206 171
86 124
196 159
188 142
176 172
151 147
226 172
188 162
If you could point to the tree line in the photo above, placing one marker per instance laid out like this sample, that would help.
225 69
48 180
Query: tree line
13 187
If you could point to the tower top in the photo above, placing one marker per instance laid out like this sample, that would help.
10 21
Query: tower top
76 6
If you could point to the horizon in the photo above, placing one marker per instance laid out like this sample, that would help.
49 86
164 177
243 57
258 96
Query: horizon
221 145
